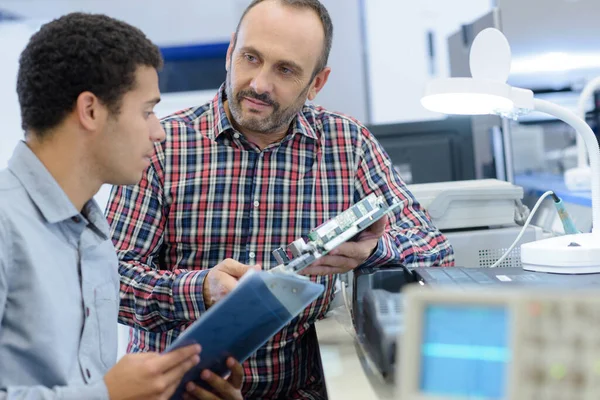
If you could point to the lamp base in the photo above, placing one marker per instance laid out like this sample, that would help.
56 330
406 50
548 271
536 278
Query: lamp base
579 178
569 254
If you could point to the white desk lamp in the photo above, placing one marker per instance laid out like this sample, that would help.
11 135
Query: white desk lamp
488 93
579 178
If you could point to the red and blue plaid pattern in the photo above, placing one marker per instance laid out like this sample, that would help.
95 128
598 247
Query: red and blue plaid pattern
210 194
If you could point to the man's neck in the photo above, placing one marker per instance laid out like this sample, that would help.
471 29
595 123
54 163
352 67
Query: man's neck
260 139
67 164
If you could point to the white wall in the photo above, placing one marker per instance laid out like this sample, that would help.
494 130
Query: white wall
398 58
13 39
165 22
210 22
347 86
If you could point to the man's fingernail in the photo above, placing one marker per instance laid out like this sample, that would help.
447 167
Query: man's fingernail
190 386
205 374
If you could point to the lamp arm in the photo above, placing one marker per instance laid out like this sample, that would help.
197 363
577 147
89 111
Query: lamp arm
590 88
593 150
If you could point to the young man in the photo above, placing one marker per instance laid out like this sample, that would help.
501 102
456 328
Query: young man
87 85
252 171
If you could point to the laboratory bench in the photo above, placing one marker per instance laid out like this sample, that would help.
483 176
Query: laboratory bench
348 372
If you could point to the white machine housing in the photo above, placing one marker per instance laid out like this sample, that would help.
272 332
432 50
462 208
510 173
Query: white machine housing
469 204
478 218
483 247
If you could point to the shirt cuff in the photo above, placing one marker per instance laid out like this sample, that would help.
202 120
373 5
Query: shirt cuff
188 295
385 251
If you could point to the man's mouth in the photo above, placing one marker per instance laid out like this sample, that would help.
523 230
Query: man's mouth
257 102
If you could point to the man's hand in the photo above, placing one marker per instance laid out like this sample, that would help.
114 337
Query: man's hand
223 389
351 254
151 376
222 279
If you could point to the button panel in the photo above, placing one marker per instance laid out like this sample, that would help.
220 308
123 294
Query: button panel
557 350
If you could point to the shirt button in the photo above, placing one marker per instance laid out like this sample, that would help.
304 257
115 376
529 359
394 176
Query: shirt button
76 220
256 203
236 135
251 255
87 371
87 311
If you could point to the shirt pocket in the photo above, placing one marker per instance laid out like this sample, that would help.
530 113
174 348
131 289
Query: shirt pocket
107 312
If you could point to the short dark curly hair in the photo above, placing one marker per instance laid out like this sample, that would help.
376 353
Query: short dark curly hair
76 53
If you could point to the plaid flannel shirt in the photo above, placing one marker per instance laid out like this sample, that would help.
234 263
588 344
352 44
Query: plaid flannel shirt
210 194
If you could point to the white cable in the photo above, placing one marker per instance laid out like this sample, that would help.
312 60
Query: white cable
512 246
345 296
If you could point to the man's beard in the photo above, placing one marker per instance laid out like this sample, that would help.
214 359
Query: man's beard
278 120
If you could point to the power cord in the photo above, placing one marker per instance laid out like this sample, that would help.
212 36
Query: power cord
525 226
345 295
521 212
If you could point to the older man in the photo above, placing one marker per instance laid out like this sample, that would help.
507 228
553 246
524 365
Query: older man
251 171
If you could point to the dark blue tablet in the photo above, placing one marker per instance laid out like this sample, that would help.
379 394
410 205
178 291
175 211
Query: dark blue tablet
261 304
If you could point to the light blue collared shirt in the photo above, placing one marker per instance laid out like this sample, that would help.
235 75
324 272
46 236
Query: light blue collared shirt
59 288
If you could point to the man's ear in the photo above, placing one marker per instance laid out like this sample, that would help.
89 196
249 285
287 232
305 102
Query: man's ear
318 83
230 51
90 111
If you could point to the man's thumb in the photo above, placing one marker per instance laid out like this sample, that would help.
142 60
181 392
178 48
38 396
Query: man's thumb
379 225
235 269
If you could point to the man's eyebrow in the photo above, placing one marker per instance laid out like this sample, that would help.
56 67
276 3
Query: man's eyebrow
154 101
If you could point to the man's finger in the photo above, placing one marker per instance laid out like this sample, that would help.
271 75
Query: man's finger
227 282
379 225
174 375
237 373
234 268
339 262
349 249
220 385
374 231
196 392
320 270
171 359
171 389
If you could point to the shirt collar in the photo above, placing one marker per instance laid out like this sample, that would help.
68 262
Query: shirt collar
304 123
300 125
47 195
221 121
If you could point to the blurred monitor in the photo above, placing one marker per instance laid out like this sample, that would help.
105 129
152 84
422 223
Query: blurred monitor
429 151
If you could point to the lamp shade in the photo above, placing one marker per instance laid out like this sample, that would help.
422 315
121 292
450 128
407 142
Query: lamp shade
487 93
467 96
